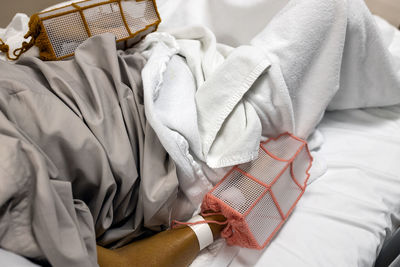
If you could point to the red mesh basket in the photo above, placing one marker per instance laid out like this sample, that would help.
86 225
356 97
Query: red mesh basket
257 197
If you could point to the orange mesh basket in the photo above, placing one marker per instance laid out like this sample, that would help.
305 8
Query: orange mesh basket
58 32
257 197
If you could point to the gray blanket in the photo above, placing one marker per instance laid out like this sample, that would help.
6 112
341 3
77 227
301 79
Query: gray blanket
78 160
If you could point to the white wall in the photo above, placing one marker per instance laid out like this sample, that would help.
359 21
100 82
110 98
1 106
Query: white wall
10 7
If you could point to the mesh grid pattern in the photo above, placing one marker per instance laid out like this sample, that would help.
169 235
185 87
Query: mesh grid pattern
70 26
266 204
62 45
285 148
239 191
56 11
139 14
286 191
300 166
106 18
265 211
139 37
88 3
265 168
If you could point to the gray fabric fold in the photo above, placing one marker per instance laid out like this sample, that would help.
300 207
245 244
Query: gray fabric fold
78 160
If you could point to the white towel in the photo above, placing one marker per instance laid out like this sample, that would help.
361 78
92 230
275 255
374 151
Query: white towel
312 56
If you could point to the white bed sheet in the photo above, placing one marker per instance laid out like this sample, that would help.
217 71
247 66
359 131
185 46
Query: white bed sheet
345 215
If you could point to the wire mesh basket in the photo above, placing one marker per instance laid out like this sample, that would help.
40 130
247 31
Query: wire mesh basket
258 197
58 32
69 26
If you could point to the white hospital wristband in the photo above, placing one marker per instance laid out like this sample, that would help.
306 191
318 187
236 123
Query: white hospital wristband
202 231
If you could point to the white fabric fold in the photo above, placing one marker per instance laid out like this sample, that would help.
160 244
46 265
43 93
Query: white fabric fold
312 56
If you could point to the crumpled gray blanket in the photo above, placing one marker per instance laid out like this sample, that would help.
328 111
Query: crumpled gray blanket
78 160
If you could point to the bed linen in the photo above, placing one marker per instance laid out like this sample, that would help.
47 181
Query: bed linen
347 213
311 57
246 37
79 161
284 78
354 53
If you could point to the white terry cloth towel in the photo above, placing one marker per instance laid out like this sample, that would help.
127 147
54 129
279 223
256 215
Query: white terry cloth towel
169 101
312 56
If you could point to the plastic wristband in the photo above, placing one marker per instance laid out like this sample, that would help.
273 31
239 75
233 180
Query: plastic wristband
202 231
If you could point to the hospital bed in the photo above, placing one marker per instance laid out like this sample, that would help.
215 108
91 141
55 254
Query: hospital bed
347 217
